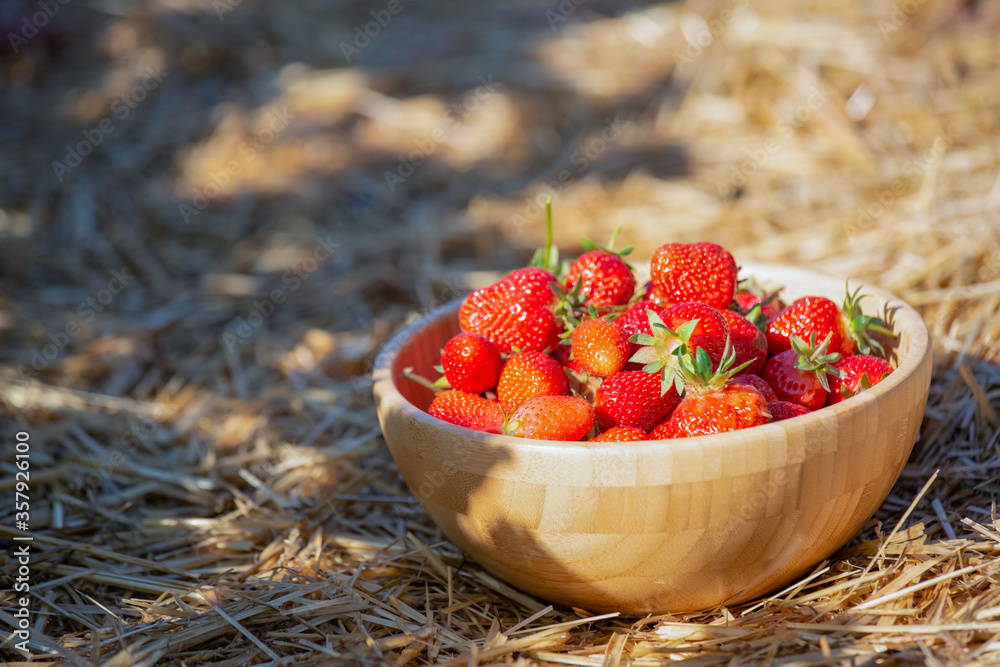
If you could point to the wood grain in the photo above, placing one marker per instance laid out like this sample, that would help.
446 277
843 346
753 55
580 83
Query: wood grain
656 526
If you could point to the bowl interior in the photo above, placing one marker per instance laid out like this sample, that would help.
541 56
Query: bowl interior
422 353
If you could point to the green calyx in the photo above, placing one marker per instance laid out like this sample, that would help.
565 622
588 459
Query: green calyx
699 375
756 315
661 351
813 358
669 352
860 325
590 245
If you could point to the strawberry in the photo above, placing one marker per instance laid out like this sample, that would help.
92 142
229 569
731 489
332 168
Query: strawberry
782 410
471 363
621 434
703 411
758 383
530 374
701 272
710 333
711 402
600 347
633 398
465 409
515 312
858 372
749 343
799 375
551 418
848 327
684 328
607 279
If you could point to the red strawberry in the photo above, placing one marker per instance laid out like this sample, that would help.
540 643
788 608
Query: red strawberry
758 383
471 363
600 347
799 375
782 410
684 327
551 418
858 372
749 342
606 279
701 272
848 327
621 434
707 410
515 312
469 410
633 398
530 374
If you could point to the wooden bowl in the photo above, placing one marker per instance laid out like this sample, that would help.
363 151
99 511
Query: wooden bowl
668 525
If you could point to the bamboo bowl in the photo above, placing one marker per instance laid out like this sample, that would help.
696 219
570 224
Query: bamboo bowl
659 526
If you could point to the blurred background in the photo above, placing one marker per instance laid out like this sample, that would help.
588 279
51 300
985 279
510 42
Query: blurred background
213 214
206 147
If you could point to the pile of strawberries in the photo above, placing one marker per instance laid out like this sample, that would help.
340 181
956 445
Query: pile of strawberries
575 351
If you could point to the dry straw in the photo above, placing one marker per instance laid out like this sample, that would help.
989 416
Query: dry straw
203 499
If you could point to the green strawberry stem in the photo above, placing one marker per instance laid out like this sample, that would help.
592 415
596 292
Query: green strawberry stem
548 257
614 237
437 386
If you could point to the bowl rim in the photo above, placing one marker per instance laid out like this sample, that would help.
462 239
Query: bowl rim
388 394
